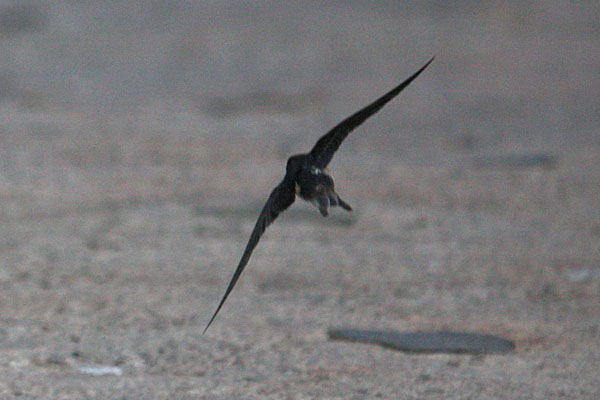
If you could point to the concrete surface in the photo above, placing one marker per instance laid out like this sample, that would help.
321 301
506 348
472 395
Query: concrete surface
130 133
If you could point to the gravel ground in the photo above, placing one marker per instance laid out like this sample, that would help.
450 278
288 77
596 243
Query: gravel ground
129 137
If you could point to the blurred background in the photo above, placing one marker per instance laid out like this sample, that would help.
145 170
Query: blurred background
139 140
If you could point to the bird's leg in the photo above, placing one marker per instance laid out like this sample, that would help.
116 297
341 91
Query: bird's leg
333 199
323 204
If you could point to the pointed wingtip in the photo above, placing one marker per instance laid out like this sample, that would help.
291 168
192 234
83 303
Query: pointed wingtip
414 76
215 313
426 64
213 316
206 328
208 325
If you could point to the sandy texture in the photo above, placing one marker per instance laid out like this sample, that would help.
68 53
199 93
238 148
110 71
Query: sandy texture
139 141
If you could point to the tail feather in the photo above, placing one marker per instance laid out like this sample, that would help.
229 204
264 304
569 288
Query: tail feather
343 204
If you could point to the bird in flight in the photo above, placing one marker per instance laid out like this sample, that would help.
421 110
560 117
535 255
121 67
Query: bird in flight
305 176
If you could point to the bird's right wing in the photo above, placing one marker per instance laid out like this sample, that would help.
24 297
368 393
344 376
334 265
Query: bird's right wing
280 199
326 146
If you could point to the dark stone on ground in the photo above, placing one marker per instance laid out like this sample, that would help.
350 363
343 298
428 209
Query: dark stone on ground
427 342
518 161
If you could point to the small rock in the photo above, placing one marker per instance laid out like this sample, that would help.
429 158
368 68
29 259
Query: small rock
17 19
517 161
101 370
582 274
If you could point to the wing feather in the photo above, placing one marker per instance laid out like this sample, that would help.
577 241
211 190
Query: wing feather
280 199
327 145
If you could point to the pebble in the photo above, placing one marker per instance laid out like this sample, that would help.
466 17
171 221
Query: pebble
101 370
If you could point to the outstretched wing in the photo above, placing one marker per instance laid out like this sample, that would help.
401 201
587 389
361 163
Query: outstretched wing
327 145
281 198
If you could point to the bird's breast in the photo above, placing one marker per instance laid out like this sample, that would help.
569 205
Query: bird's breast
304 191
309 186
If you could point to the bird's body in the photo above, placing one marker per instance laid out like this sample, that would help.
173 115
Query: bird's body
313 184
306 176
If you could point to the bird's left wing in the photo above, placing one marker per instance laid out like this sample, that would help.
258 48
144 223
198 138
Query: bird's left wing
280 199
326 146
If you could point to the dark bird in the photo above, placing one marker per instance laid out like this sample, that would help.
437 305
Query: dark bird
305 176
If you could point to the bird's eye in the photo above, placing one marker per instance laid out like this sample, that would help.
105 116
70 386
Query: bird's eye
315 170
